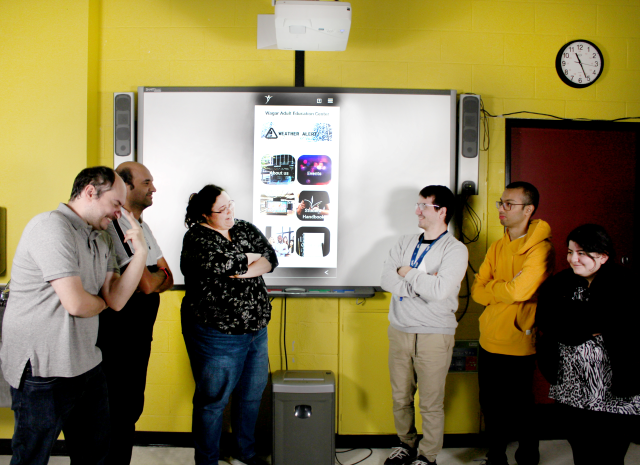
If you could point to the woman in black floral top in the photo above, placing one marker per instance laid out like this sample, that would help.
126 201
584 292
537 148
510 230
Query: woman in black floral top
225 312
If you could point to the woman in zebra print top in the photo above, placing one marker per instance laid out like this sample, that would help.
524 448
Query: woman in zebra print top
586 316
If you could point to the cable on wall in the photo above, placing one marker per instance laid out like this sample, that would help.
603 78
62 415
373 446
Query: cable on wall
474 219
476 224
349 450
284 325
485 126
467 296
484 115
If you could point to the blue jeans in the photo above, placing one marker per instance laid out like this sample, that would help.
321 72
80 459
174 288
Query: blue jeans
77 406
223 364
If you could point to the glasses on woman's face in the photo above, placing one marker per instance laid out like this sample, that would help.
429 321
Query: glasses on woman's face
226 208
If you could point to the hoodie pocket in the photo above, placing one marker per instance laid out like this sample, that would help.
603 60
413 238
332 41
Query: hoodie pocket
499 324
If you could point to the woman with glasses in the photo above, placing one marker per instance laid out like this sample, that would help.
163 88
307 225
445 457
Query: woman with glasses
587 317
225 312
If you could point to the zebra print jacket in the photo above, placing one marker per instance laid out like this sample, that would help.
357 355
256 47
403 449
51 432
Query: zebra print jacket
571 312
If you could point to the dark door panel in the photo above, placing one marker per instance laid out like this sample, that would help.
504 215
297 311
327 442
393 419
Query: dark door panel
585 172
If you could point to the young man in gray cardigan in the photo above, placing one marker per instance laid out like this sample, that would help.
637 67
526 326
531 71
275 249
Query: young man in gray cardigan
423 272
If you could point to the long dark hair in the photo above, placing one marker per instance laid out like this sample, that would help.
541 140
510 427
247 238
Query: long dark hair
200 204
593 238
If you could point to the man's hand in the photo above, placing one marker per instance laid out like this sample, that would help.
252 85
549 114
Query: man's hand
403 270
135 234
116 290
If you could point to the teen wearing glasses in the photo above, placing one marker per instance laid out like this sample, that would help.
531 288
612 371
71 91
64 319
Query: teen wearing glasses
225 312
587 320
506 283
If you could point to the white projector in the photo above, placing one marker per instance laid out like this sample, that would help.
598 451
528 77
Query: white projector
306 25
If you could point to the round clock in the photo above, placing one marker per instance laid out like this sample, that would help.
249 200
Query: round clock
579 63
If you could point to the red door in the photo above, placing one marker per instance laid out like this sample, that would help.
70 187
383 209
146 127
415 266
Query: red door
585 172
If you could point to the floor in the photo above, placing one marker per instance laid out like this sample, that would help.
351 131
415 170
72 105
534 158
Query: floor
552 452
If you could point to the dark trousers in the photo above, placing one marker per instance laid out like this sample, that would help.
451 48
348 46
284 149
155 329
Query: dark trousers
506 399
597 437
125 340
43 407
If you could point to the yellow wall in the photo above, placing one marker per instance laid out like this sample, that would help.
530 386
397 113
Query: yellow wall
43 113
43 107
61 60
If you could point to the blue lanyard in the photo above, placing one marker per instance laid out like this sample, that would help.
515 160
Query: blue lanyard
416 264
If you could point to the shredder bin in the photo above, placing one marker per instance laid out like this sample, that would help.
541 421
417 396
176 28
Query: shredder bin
303 417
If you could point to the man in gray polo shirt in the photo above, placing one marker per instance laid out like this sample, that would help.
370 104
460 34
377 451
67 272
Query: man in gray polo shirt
125 336
64 274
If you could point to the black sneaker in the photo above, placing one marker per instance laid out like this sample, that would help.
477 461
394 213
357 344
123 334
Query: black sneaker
401 455
422 460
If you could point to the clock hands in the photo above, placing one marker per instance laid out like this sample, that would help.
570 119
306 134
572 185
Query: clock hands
580 62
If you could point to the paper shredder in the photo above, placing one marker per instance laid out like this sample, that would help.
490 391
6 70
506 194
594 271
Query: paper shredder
303 417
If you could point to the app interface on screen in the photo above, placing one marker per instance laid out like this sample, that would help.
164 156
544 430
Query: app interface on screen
295 185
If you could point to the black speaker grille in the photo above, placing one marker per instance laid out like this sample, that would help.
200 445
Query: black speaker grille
470 105
470 122
123 134
469 135
123 102
123 130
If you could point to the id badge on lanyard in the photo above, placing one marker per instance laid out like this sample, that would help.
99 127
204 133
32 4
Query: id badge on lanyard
415 263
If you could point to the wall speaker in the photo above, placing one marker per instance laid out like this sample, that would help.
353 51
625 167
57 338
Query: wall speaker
124 145
468 143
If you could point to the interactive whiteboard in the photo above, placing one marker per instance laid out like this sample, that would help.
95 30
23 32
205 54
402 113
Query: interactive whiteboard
330 176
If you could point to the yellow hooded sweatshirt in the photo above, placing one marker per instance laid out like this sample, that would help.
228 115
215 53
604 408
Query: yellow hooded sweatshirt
507 283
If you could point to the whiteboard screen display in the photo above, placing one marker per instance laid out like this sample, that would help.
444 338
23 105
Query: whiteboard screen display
330 176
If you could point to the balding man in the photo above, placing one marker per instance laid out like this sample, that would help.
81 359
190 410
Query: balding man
64 274
125 336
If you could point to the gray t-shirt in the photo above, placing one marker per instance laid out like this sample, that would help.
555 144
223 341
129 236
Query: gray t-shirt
124 258
36 326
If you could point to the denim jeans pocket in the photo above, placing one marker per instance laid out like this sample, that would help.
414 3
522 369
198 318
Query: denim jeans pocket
35 381
38 381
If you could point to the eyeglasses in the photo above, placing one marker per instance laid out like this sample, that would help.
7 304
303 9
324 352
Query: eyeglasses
423 206
231 206
507 205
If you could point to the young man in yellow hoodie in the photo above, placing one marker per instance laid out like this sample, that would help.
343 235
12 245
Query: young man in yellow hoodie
507 282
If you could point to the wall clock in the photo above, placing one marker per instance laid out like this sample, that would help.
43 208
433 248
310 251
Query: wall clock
579 63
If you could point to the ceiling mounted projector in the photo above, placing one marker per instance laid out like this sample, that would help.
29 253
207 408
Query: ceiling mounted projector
306 25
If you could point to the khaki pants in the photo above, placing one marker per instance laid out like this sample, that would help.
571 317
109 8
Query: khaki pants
419 360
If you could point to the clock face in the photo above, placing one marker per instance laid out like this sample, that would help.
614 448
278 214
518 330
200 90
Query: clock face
579 63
